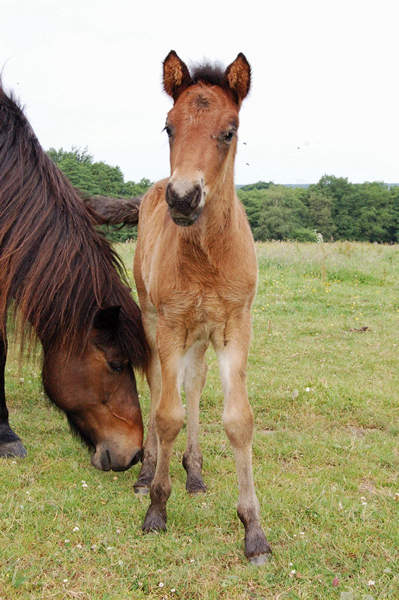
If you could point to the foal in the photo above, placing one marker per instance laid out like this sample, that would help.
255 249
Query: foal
196 273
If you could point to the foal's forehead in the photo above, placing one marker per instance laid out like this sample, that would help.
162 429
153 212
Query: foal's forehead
201 100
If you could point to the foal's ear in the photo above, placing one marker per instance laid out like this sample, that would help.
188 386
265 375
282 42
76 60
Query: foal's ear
107 318
238 76
175 75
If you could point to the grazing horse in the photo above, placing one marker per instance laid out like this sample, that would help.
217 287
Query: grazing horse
64 279
196 273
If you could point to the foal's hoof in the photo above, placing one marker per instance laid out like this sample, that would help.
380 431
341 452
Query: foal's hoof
257 550
155 520
144 480
141 489
12 450
260 559
195 485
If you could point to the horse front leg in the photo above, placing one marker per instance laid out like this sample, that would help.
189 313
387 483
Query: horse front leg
169 418
147 471
10 444
239 424
195 370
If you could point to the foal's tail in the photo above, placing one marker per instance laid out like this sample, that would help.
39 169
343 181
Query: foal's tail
113 211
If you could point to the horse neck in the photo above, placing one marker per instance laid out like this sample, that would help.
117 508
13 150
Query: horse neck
214 232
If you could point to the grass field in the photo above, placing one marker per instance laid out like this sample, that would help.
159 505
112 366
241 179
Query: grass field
326 459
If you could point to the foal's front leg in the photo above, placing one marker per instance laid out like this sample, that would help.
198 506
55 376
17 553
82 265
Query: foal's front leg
238 423
169 418
195 370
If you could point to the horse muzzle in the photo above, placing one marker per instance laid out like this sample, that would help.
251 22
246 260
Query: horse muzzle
185 202
106 459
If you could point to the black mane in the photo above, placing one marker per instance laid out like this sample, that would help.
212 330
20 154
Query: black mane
209 73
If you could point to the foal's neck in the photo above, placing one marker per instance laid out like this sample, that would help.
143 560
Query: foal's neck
214 231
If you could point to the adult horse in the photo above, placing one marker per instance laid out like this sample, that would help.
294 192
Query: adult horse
64 278
195 271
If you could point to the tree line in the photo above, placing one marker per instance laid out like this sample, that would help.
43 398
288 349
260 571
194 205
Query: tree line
333 208
99 179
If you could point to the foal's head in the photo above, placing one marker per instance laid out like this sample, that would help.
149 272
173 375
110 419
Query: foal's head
202 128
96 389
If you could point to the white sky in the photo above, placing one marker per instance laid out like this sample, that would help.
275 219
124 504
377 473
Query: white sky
324 99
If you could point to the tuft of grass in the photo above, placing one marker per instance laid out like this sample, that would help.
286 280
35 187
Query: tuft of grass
325 398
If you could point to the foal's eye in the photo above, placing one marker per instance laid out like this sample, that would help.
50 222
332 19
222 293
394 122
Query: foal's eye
228 136
168 130
116 366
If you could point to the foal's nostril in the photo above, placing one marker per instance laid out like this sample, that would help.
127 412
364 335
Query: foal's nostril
186 202
196 197
170 195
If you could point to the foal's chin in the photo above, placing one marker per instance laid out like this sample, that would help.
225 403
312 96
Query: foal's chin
184 220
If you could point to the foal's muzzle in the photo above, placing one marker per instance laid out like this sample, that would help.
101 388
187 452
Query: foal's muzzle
184 208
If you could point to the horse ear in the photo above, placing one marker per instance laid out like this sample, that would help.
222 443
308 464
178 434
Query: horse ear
107 318
238 76
176 77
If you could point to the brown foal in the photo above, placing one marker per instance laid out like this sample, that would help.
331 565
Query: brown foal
195 270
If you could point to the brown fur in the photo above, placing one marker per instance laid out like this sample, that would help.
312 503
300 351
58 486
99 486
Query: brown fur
65 281
195 271
113 211
53 262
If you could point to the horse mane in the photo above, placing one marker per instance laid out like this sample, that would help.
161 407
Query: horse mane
55 266
209 73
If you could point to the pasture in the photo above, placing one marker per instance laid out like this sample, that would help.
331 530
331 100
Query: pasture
323 381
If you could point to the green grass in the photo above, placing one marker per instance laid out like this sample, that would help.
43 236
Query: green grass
326 459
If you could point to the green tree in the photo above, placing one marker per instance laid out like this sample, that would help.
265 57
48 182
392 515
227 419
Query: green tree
98 178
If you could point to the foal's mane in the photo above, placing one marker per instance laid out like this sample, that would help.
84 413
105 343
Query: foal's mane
53 262
210 73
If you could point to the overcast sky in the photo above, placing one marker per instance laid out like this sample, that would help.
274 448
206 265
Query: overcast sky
324 99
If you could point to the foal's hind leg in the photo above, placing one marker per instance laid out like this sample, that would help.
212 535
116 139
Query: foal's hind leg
10 444
147 471
238 423
194 380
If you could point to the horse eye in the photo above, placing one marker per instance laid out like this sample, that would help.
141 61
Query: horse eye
228 136
168 130
115 366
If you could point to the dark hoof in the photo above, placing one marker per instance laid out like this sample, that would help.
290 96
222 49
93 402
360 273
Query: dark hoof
144 480
257 550
155 520
195 485
143 484
141 489
12 450
261 559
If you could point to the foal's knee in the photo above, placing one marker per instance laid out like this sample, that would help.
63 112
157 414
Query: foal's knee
238 423
168 422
